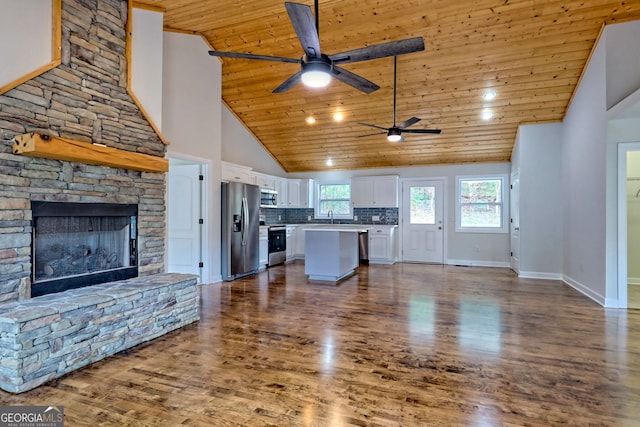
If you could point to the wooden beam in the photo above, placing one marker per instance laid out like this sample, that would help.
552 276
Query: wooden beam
51 147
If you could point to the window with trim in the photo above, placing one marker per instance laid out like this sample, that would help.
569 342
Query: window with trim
333 199
481 204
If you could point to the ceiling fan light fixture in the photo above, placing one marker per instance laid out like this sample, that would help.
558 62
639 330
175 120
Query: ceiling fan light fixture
394 135
316 73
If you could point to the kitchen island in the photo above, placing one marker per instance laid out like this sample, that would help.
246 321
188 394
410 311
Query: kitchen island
331 254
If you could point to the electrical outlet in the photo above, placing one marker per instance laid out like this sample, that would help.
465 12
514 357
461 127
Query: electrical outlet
355 217
375 218
279 217
308 217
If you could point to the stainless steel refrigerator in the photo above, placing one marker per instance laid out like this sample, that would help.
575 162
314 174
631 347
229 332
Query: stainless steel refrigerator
240 229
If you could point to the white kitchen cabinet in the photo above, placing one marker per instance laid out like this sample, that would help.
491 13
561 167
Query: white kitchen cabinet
374 191
300 193
267 182
291 241
264 247
282 188
237 173
382 247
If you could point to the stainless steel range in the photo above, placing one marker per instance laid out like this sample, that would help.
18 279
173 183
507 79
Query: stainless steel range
277 244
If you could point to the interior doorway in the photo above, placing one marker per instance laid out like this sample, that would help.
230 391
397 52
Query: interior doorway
629 225
633 229
185 217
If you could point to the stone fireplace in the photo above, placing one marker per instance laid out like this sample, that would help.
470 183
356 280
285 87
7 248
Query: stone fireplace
82 244
85 99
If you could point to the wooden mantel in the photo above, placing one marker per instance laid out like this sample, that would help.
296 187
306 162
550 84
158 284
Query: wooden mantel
52 147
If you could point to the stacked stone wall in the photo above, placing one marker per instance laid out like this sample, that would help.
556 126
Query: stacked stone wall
85 99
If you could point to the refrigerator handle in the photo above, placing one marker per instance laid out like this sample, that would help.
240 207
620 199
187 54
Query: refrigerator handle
245 220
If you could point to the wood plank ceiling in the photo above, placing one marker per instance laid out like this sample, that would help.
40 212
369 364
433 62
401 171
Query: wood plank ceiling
531 52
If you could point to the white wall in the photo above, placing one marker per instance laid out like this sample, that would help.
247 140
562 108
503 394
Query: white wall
537 158
146 62
192 123
494 247
239 146
583 180
29 23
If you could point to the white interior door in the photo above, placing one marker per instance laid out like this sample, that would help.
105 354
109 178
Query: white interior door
184 213
423 221
515 222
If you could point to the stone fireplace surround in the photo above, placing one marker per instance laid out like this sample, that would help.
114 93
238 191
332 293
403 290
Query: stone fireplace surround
85 98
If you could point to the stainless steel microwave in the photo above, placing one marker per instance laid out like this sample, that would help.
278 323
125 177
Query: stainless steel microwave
268 198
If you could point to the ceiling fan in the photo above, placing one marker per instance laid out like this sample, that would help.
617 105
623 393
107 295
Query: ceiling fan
317 67
394 133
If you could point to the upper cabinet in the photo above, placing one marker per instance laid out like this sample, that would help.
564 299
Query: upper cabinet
282 188
300 193
267 182
374 191
232 172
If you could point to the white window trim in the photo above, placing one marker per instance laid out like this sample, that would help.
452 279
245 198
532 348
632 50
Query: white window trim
504 229
316 210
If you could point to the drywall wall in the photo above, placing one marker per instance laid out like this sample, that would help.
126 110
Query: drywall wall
34 38
239 146
146 62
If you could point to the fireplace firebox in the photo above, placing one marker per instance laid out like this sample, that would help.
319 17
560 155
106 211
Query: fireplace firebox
82 244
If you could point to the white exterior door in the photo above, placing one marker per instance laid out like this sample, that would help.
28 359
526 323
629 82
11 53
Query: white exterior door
184 213
423 221
515 222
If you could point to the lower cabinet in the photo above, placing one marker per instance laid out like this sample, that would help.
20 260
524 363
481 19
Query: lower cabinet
382 248
291 242
264 247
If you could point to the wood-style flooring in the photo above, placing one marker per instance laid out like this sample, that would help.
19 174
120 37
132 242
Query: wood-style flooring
633 296
401 345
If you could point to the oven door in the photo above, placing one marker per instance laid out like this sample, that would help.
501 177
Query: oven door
277 245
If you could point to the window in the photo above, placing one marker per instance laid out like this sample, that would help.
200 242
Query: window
481 205
334 197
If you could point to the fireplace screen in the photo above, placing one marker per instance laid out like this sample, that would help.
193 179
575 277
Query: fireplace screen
77 244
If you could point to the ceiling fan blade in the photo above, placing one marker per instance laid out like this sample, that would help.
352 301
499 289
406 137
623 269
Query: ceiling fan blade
302 21
371 134
406 124
252 56
422 131
373 126
382 50
354 80
289 83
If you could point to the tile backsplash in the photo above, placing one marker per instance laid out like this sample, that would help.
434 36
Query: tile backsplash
301 216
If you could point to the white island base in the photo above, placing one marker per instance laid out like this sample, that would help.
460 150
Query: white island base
331 254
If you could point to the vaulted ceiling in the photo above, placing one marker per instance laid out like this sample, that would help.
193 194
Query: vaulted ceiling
530 52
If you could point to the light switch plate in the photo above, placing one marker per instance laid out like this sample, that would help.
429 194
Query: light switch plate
375 218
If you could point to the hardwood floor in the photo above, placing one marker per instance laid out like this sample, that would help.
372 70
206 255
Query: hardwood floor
402 345
633 300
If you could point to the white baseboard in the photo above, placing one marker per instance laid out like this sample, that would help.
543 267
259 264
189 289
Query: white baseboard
589 293
539 275
478 263
633 280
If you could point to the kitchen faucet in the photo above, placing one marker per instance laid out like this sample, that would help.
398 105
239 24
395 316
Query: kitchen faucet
330 215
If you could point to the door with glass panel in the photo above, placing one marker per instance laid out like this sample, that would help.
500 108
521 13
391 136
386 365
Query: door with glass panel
423 221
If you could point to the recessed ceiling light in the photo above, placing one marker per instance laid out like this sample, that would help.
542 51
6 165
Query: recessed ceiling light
329 162
486 115
489 95
338 116
310 120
